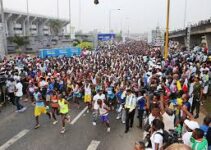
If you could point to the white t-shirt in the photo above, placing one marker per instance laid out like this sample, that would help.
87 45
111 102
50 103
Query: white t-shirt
151 118
43 83
168 121
96 98
156 138
186 138
19 88
88 90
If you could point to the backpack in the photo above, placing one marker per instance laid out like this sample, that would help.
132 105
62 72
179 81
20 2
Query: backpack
208 136
166 138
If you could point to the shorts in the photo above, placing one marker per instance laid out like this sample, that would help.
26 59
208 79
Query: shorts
38 110
205 90
78 95
87 98
48 98
104 118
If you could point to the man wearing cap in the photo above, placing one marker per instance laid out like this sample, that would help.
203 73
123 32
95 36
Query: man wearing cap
190 126
130 105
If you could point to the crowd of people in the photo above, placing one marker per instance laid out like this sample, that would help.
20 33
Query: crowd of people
128 78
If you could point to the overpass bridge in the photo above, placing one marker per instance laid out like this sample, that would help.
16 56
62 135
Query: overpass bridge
199 32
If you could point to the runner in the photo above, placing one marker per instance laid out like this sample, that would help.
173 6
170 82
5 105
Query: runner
88 96
63 109
39 107
54 106
98 96
104 111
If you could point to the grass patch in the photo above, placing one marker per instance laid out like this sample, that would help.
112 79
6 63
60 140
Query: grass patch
207 105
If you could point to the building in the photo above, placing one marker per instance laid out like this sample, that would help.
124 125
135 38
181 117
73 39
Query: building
157 37
22 24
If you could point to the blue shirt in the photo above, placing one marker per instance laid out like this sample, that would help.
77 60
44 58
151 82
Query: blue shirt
119 97
38 99
141 103
50 88
204 128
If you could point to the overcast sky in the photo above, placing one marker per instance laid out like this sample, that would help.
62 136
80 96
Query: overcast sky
137 15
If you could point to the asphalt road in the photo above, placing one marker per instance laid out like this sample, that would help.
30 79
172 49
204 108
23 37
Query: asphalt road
17 133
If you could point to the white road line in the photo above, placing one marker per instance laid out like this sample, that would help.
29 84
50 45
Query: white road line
14 139
93 145
78 116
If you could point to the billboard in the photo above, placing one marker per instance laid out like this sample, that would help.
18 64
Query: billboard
105 36
60 52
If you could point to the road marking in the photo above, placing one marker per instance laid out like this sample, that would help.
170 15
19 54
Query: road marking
93 145
78 116
14 139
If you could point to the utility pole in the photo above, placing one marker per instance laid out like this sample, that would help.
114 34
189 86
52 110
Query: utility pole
167 31
57 9
27 20
79 15
185 13
4 37
110 11
70 17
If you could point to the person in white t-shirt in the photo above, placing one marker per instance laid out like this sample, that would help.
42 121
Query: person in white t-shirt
157 134
98 96
18 95
167 115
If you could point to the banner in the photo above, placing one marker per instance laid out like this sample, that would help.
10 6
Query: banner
59 52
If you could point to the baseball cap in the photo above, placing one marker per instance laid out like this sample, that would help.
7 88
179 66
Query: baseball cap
191 124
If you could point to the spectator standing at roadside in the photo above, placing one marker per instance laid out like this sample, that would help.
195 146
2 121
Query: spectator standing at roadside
18 95
197 94
130 106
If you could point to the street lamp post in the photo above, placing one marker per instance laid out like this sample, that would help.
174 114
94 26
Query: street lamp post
110 11
4 39
185 13
70 16
167 31
79 15
28 25
57 9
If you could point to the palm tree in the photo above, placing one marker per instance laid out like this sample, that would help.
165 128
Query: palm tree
55 26
20 41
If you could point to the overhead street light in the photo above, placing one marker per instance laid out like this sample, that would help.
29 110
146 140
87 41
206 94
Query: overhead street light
110 11
96 2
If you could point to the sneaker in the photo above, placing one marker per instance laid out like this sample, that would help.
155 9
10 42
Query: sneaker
117 118
23 109
62 131
123 122
68 119
196 117
94 123
87 111
55 122
17 111
109 129
37 126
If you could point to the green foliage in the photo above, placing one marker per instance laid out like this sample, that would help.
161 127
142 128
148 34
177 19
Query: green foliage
20 41
55 26
86 45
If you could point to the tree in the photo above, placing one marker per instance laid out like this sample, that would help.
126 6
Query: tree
86 45
55 26
20 41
